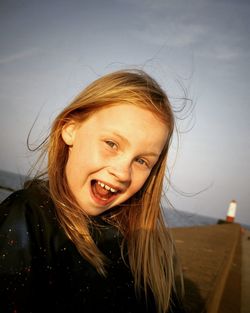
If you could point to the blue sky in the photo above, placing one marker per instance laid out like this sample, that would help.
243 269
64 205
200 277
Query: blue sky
50 50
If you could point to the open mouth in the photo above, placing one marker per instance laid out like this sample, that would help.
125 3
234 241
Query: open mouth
103 193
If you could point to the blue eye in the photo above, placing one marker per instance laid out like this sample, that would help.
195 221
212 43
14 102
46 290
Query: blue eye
111 144
141 161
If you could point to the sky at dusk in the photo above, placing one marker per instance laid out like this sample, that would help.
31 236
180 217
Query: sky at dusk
50 50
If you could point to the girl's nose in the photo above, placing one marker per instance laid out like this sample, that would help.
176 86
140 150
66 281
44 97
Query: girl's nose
121 170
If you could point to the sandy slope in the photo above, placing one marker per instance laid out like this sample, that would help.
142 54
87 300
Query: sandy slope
211 261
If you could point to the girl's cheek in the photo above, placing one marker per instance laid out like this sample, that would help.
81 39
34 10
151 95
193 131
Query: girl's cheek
138 179
107 156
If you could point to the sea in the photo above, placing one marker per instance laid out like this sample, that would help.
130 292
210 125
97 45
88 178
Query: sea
9 182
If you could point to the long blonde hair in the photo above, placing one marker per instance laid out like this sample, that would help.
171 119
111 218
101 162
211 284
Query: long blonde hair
150 247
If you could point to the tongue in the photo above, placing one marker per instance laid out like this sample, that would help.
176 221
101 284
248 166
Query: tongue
102 192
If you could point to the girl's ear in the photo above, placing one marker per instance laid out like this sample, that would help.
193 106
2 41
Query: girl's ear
68 133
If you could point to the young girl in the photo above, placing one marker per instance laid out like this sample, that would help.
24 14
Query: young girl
90 235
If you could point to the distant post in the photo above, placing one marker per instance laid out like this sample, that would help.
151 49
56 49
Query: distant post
231 212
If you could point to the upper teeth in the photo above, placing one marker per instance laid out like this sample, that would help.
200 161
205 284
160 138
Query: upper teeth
106 187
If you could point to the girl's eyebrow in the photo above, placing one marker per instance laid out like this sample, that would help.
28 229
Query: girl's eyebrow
122 138
152 154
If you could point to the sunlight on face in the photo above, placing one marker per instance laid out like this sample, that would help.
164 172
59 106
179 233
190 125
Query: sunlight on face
111 155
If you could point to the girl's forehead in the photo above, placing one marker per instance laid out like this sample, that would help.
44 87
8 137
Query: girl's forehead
123 109
124 114
133 124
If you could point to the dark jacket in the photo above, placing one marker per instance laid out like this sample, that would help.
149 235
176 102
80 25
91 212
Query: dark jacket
42 271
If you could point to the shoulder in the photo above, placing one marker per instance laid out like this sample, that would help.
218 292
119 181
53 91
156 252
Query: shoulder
33 192
25 201
27 225
24 211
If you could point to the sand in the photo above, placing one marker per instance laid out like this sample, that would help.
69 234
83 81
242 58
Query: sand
211 260
245 271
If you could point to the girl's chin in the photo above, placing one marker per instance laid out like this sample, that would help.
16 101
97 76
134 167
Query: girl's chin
96 212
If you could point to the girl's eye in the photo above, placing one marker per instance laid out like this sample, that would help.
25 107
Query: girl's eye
111 144
142 162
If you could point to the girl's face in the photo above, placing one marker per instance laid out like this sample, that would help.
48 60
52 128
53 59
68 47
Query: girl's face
111 155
